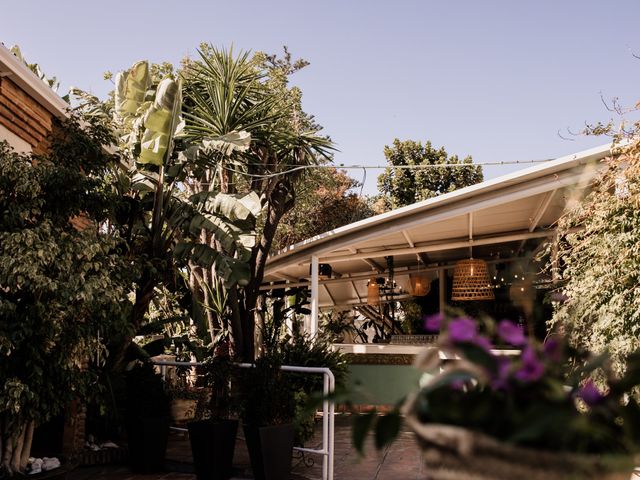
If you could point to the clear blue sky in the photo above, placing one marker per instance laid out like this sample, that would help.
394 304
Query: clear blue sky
493 79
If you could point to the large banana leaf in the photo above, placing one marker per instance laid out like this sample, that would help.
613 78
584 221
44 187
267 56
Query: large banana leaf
232 270
160 122
131 89
229 143
232 238
232 206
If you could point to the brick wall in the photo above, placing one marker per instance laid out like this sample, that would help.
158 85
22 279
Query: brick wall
23 116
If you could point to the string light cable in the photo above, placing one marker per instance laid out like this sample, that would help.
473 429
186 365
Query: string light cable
364 168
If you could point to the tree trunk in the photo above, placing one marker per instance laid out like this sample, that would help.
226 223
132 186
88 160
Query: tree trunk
280 202
15 446
238 333
26 448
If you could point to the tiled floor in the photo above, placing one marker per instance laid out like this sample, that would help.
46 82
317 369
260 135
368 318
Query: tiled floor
400 461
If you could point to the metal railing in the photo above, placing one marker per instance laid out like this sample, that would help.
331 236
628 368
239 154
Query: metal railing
328 408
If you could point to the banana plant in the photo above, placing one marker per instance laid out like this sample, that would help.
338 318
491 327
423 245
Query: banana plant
231 221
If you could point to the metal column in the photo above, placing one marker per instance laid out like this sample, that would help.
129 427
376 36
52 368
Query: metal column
313 327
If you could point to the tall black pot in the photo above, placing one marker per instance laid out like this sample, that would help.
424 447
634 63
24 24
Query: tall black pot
212 446
148 438
270 449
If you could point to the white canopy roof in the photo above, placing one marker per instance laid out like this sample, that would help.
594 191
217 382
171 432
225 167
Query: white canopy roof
497 218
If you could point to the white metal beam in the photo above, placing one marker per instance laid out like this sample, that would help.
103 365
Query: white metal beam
355 290
326 289
540 211
286 277
365 276
436 247
422 257
315 300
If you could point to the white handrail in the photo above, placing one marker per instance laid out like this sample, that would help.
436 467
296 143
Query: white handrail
328 407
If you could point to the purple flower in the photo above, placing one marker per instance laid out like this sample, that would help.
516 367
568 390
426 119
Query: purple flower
532 369
483 343
462 330
433 322
590 394
553 349
511 333
501 379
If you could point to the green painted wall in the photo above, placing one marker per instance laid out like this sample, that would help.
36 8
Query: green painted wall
382 384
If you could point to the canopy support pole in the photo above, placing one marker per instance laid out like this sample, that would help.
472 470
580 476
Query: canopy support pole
315 304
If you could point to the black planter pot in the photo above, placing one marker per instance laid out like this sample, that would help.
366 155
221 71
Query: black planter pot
148 439
270 450
212 446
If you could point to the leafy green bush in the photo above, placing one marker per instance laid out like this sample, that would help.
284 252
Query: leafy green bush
598 305
63 291
302 351
267 395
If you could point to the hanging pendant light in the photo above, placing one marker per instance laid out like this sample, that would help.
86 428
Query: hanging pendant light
420 284
373 292
471 281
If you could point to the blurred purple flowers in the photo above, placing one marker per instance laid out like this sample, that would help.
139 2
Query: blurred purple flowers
433 323
501 380
532 368
553 350
590 394
462 330
511 333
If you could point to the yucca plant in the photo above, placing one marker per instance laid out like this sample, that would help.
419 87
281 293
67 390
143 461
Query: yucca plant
252 136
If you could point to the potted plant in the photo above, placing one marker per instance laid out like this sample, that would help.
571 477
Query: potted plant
268 408
187 401
538 414
147 418
213 439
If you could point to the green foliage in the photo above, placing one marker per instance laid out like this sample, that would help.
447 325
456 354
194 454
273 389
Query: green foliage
246 133
599 239
536 399
301 350
220 374
267 395
402 187
325 200
336 324
63 292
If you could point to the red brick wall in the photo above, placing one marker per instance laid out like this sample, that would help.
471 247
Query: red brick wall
23 116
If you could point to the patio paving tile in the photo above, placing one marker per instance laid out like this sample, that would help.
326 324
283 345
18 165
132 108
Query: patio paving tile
400 461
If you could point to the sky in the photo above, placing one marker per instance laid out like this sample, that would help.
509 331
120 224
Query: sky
497 80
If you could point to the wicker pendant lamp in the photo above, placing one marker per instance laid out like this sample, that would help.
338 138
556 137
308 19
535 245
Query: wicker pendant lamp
373 292
471 281
420 284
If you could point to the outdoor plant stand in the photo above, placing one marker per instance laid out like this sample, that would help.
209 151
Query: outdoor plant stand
212 445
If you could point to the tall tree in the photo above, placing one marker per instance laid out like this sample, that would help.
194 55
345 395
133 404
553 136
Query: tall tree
325 200
252 136
63 291
404 186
